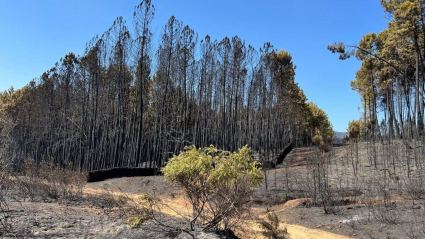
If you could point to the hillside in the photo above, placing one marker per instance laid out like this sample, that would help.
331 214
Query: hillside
212 119
358 206
340 135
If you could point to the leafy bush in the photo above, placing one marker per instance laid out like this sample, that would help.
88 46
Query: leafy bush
217 183
355 128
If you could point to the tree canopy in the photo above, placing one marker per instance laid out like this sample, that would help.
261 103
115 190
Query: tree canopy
130 103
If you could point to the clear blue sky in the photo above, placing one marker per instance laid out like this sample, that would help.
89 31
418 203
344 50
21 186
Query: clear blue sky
36 34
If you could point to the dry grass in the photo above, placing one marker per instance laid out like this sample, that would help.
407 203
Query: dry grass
50 181
390 193
5 219
381 195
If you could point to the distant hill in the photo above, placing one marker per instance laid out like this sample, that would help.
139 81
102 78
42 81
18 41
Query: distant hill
338 138
340 135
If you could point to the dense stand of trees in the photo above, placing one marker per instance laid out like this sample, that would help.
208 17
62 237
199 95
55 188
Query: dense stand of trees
128 103
391 79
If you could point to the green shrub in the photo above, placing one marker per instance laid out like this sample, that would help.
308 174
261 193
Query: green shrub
355 128
138 220
217 183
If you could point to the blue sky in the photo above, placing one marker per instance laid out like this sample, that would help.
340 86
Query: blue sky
36 34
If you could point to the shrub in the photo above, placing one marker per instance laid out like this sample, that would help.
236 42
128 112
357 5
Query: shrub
273 228
110 202
5 216
48 180
318 140
119 204
217 183
145 209
138 220
355 128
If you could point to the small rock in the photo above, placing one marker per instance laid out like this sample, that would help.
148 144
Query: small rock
65 225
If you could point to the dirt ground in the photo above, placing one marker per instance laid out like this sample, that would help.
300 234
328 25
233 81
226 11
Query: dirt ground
358 215
83 220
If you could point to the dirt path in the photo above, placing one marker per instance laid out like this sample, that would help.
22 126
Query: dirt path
300 232
302 219
177 206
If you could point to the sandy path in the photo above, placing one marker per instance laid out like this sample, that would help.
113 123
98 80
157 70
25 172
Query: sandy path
176 206
300 232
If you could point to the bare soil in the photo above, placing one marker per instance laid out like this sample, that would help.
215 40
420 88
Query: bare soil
361 211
